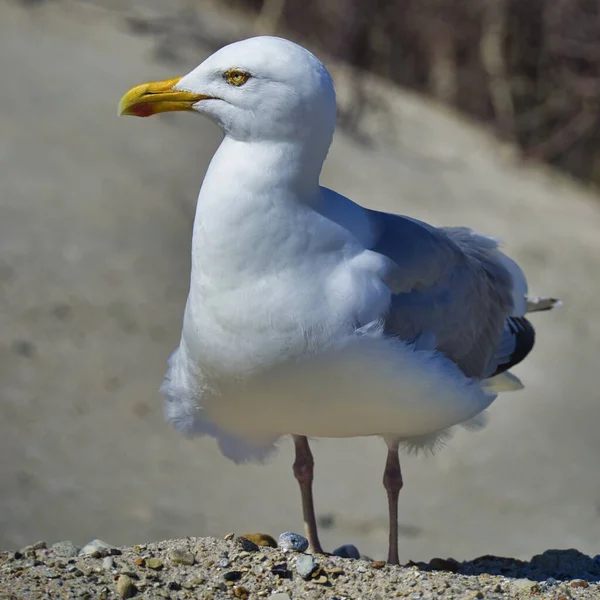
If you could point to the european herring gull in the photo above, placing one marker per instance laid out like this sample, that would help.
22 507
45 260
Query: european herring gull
309 314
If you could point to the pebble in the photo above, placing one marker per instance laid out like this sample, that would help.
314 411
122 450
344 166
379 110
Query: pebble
98 549
125 587
261 539
190 584
239 591
232 576
66 549
306 566
525 585
154 563
179 556
347 551
247 545
292 541
30 551
281 571
108 563
280 596
51 574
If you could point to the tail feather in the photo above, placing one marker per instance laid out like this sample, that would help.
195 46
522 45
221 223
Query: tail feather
539 303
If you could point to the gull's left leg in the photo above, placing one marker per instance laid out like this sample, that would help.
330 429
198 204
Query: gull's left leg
303 471
392 482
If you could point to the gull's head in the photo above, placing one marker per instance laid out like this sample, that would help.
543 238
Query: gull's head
259 88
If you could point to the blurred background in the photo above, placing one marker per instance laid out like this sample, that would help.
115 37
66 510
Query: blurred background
457 112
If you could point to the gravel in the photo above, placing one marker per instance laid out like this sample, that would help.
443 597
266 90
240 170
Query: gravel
195 568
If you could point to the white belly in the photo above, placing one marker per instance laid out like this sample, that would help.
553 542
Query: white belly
370 386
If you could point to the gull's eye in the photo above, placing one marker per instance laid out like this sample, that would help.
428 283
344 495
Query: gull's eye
236 77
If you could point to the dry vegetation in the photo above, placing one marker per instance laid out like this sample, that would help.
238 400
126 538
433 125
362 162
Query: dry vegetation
530 68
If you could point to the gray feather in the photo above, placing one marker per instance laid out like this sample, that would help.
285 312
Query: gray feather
456 288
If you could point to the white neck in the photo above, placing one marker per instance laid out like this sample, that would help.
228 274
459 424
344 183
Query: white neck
247 203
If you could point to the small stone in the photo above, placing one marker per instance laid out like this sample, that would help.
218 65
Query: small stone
335 571
247 545
179 556
30 551
292 541
261 539
108 563
228 537
378 564
51 574
232 576
190 584
125 587
347 551
239 591
280 596
129 573
579 583
321 580
525 585
154 563
473 595
65 549
98 549
281 571
305 566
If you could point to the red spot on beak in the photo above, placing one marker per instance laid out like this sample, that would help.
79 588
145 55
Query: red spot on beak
143 109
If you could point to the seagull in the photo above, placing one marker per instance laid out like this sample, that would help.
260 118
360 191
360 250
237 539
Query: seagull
308 314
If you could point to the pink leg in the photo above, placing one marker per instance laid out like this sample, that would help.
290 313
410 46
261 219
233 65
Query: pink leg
392 482
303 471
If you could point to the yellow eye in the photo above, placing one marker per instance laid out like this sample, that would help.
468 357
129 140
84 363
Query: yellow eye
236 77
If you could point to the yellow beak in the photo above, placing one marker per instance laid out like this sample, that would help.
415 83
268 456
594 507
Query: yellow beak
148 99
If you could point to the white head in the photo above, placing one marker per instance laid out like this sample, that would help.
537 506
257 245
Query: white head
262 88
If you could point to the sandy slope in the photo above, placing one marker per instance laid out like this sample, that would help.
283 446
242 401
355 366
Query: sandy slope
95 217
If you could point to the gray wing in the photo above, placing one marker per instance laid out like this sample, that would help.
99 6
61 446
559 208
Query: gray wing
453 284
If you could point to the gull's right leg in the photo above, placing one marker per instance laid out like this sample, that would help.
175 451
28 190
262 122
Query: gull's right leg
303 472
392 481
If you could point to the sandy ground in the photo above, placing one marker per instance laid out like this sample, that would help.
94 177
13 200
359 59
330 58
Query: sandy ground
95 222
210 569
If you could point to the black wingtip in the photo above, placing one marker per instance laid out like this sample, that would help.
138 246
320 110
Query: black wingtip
524 334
